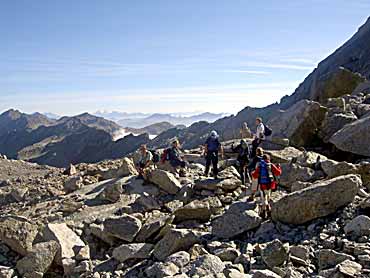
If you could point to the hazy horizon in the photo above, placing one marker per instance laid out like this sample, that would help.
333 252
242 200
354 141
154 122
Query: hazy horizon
71 57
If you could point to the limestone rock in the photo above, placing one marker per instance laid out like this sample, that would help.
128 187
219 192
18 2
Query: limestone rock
359 226
70 243
239 218
165 181
299 123
17 233
321 199
132 251
206 265
354 137
274 253
199 210
72 184
330 258
124 227
39 259
175 240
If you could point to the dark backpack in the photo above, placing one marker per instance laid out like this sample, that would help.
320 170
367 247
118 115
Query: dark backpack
268 130
213 144
156 156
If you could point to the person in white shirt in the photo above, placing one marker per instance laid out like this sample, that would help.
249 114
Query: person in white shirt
259 137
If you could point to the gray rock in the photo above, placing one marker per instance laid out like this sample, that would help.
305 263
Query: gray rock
153 225
73 183
175 240
206 265
334 123
354 137
39 259
180 259
329 258
299 123
165 181
113 190
320 200
199 210
125 227
239 218
70 243
293 173
17 233
359 226
264 274
133 251
275 253
161 270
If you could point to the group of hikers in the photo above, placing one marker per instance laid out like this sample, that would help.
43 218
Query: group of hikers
254 166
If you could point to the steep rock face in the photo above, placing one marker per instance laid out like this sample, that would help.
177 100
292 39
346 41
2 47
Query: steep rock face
353 56
354 137
300 123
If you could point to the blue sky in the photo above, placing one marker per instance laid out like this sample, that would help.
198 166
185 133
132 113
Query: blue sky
73 56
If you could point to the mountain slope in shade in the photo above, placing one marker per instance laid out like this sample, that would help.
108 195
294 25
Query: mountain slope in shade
154 129
83 138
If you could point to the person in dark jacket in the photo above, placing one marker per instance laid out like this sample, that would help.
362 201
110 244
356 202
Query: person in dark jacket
175 159
212 147
243 159
251 167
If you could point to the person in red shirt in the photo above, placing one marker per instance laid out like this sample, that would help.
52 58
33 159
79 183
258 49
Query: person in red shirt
265 173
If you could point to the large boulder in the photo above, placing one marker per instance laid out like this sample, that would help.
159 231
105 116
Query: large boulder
70 243
318 200
124 227
199 210
334 123
300 123
125 169
334 168
165 181
175 240
133 251
354 137
293 173
17 233
239 218
113 190
38 260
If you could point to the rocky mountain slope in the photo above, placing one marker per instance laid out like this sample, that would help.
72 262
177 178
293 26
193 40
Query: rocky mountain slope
98 220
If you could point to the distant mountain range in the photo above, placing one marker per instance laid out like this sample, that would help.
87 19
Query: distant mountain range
154 129
169 118
82 138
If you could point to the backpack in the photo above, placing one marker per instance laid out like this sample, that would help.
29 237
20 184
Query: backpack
213 144
165 156
265 175
156 156
268 130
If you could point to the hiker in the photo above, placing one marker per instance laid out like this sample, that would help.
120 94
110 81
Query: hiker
212 147
145 162
266 172
259 136
245 131
251 167
174 157
242 160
